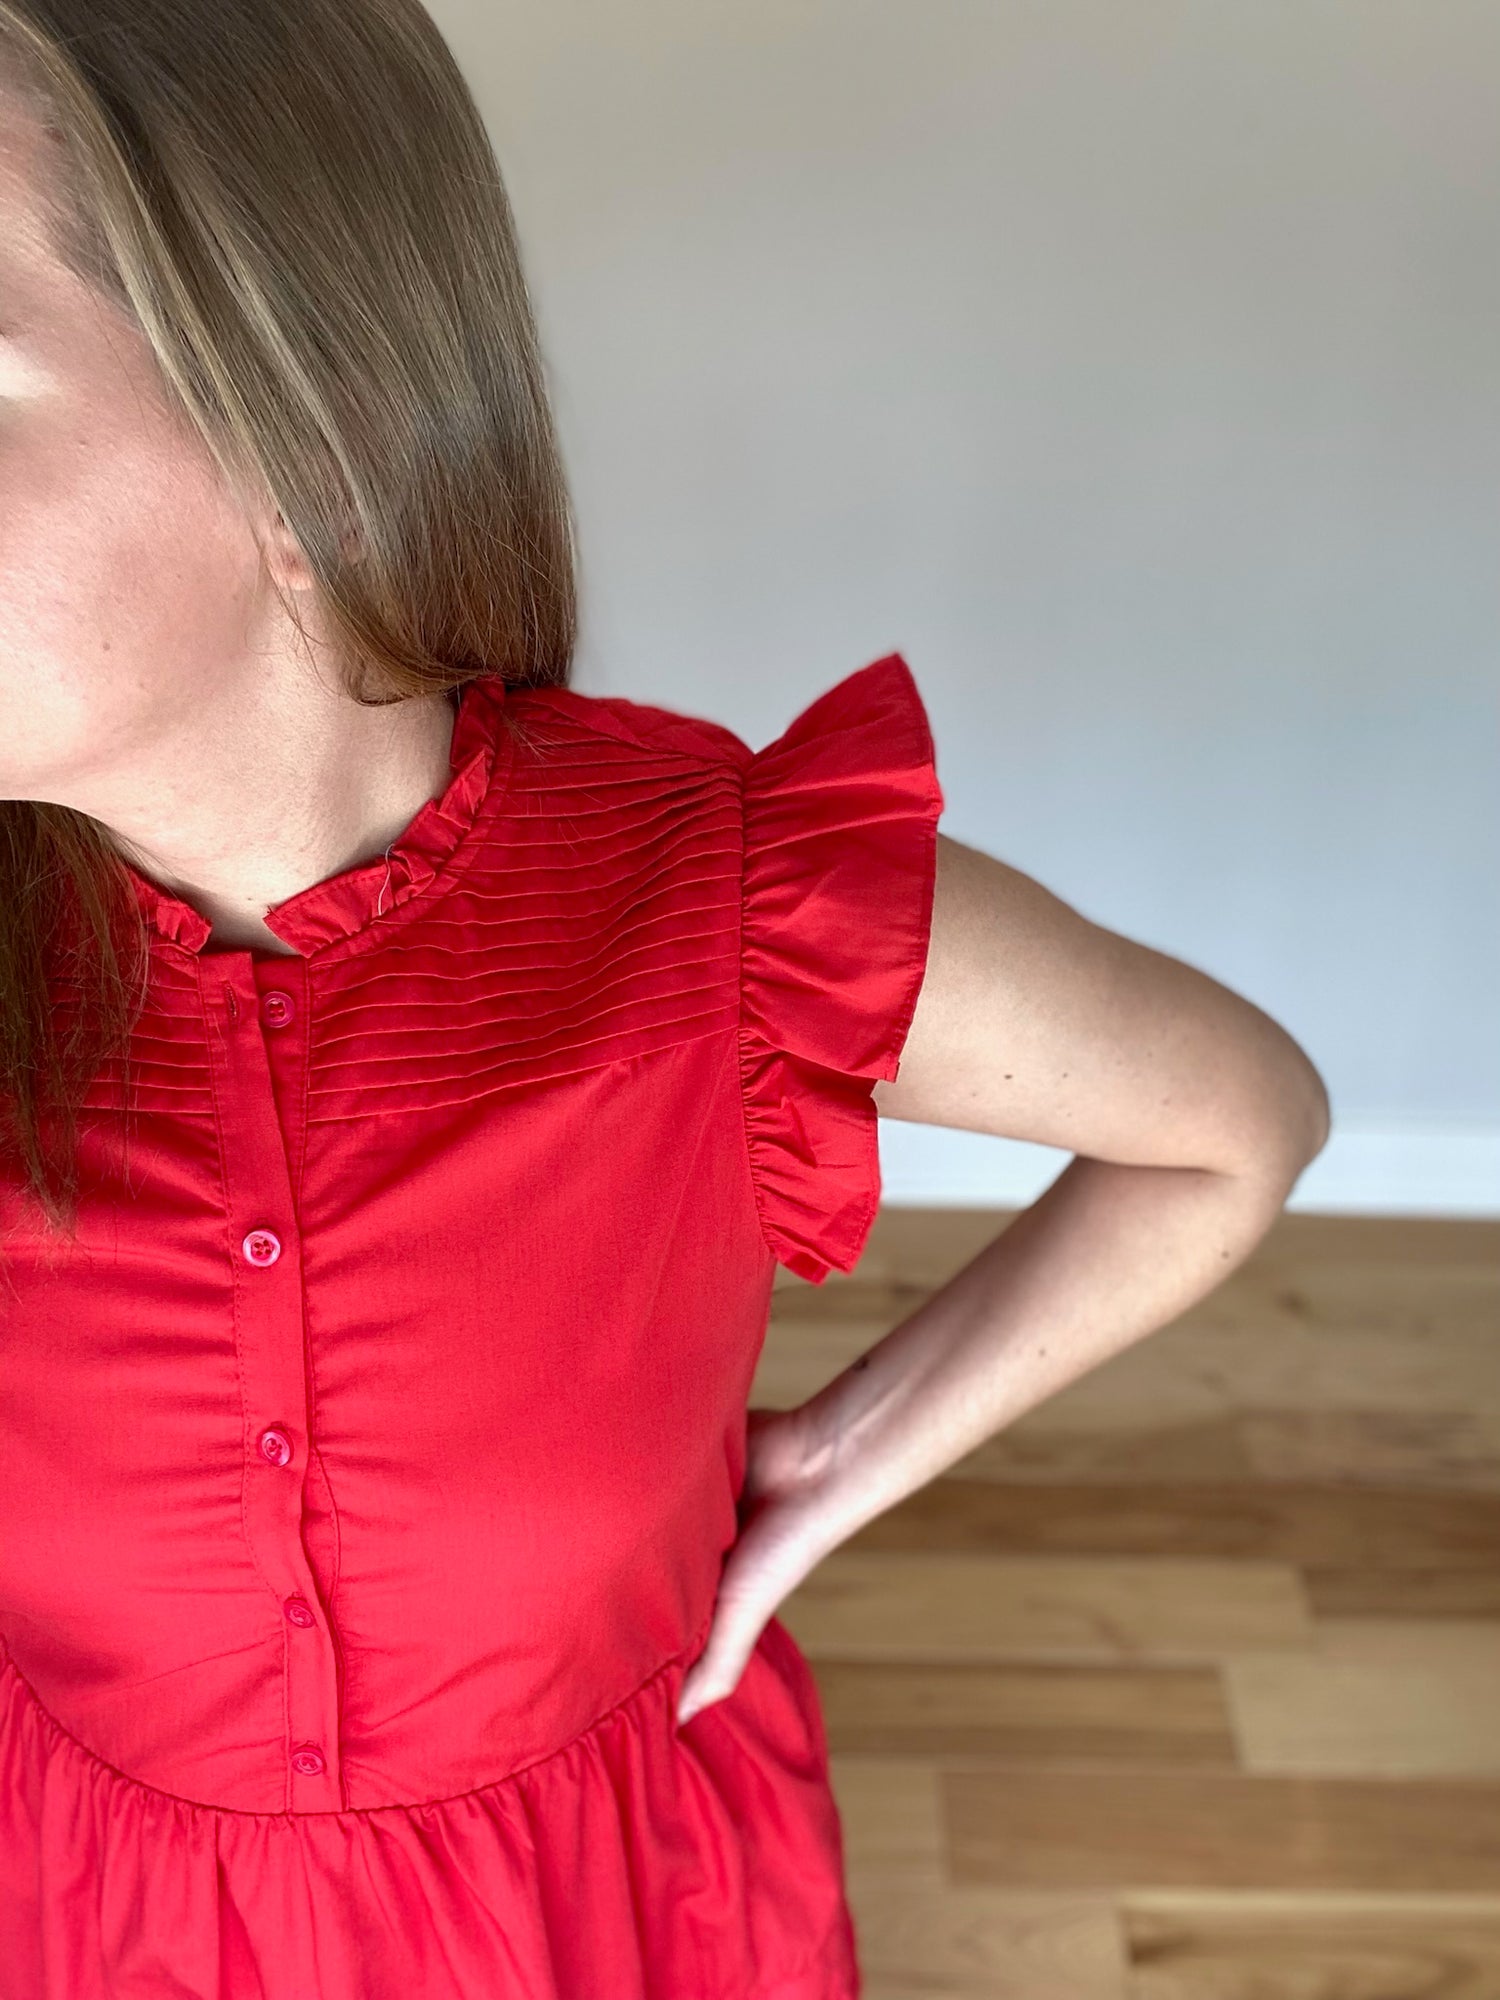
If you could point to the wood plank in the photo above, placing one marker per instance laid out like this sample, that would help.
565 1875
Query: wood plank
1038 1715
1438 1450
888 1810
1357 1294
1373 1698
944 1607
1184 1372
1324 1526
884 1989
1189 1373
1028 1453
1405 1448
1409 1593
986 1944
1094 1830
1249 1947
927 1245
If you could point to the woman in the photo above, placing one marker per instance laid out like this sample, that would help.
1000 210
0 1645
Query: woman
414 1071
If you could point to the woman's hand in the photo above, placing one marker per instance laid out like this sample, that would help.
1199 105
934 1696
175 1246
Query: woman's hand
784 1534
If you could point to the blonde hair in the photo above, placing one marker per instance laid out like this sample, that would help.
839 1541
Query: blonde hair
298 205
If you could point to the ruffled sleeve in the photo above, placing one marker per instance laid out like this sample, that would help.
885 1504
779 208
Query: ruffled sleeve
840 852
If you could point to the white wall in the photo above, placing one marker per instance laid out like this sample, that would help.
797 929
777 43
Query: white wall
1135 371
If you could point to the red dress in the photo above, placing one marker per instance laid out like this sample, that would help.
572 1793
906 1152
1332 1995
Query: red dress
367 1467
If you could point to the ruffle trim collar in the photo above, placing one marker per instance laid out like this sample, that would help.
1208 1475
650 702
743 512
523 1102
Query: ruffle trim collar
343 904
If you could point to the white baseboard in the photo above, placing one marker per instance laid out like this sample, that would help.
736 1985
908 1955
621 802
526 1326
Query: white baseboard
1366 1168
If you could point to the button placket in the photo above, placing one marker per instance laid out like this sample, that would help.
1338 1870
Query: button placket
271 1340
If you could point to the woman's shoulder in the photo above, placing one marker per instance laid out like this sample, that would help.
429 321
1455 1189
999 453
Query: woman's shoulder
618 724
872 719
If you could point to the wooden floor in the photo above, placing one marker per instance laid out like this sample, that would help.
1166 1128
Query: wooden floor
1188 1686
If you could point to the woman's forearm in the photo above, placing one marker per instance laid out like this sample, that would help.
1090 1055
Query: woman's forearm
1107 1255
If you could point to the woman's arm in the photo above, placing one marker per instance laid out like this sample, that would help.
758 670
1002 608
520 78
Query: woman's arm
1190 1113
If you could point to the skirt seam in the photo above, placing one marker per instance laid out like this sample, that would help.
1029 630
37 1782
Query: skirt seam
50 1723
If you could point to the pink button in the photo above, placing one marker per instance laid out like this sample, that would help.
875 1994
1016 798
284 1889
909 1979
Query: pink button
299 1611
275 1446
307 1760
261 1246
277 1008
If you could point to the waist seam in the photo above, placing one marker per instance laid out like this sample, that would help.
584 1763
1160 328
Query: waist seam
10 1670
